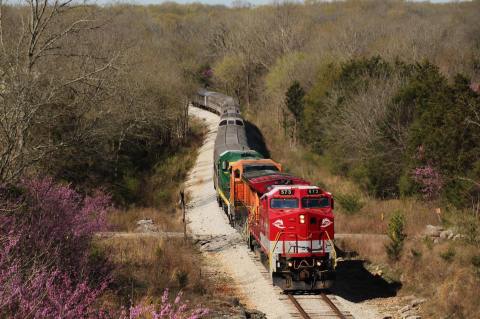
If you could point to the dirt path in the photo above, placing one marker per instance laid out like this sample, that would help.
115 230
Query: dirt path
224 247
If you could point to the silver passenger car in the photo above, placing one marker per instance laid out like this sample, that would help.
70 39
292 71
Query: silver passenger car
216 102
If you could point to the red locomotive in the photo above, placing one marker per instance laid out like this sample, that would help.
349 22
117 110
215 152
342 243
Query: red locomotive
289 221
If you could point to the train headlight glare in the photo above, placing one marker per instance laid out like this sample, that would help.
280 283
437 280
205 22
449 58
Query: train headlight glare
319 263
302 219
290 264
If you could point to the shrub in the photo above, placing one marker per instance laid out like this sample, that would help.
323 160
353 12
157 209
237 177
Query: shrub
351 203
397 236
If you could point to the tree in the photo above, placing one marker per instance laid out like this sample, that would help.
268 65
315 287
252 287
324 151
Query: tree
46 73
396 234
294 100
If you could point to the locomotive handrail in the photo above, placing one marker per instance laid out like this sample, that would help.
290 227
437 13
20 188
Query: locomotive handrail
310 237
277 238
334 252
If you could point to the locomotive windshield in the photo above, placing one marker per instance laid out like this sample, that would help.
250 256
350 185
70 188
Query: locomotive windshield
315 202
282 203
223 123
238 122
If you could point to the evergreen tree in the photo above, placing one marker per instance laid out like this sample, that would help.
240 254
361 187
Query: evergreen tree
295 100
295 103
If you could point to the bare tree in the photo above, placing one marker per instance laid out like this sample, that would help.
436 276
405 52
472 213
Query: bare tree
44 69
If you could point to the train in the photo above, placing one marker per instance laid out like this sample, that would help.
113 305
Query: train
285 218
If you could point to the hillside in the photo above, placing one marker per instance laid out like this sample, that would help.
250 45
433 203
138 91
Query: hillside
374 101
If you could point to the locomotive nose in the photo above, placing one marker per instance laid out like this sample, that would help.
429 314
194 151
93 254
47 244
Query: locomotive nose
308 223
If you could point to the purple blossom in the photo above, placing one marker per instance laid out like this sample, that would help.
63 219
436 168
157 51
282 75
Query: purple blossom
45 237
430 181
167 309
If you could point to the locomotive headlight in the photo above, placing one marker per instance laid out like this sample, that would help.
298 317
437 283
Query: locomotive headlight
302 219
290 264
319 263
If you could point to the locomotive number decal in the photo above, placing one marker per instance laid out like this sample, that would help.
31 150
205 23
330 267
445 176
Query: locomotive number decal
279 224
313 191
286 192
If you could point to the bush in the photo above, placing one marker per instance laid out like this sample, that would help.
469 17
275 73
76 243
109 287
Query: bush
351 203
397 236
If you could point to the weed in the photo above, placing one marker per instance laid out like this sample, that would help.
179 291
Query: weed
475 260
428 242
416 254
182 278
448 255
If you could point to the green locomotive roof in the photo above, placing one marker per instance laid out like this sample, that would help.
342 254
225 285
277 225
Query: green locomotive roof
233 156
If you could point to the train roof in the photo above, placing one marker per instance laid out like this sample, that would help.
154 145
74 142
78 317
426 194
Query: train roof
235 116
276 188
261 181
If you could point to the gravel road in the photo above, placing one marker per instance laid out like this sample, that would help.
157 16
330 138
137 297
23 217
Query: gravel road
224 246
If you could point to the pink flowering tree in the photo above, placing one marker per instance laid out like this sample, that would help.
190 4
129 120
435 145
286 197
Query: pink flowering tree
430 181
46 270
45 239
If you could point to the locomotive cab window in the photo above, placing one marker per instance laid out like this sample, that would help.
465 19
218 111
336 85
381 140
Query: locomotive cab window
238 122
282 203
223 123
315 202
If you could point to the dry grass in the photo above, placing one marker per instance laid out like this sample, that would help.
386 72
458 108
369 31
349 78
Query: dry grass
445 274
144 267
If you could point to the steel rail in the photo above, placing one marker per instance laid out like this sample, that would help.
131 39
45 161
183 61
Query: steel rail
332 305
299 307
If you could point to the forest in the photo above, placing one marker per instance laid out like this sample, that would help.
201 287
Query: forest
94 99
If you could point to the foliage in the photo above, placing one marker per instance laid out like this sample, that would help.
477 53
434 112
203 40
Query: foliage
45 235
396 228
394 127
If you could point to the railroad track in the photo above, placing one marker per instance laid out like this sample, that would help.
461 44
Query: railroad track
308 305
316 306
